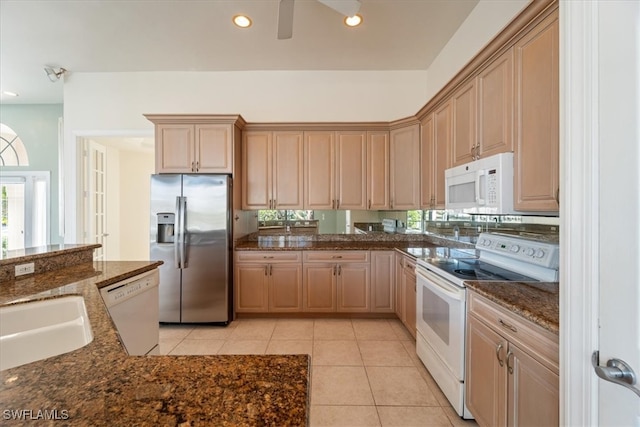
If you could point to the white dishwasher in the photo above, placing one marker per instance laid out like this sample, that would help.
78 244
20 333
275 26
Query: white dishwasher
134 308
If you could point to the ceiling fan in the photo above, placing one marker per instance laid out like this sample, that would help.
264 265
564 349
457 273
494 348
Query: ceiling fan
285 13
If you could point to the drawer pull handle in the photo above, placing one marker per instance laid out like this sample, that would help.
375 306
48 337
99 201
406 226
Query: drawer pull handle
268 257
506 325
498 348
336 256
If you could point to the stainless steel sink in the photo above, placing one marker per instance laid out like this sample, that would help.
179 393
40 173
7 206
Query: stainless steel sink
32 331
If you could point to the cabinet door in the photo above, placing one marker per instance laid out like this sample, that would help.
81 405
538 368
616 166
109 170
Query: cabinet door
285 287
495 106
287 172
405 168
175 148
319 158
353 288
319 287
382 281
378 170
442 143
399 287
486 381
256 170
409 285
533 391
427 163
463 104
251 288
351 170
214 148
536 152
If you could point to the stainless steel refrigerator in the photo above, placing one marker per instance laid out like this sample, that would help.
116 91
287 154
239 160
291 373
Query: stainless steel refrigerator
191 233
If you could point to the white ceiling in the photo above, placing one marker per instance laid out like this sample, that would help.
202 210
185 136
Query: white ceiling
187 35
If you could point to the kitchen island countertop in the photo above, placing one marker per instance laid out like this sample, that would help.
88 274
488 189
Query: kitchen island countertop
100 384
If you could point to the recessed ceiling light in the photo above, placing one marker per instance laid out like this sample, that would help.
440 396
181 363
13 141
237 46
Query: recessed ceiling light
242 21
6 92
353 21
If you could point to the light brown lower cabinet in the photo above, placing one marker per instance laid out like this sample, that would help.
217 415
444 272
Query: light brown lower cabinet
382 281
512 376
268 282
399 294
405 291
336 281
409 294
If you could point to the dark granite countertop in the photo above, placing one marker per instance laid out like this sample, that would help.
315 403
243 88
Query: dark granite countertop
100 384
31 254
535 301
355 245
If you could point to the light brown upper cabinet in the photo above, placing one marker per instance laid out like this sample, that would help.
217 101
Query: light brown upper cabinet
378 170
482 112
188 148
495 107
435 140
335 167
197 143
536 151
463 103
272 170
427 162
405 168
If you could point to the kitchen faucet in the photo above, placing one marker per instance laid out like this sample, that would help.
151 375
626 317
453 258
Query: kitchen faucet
456 232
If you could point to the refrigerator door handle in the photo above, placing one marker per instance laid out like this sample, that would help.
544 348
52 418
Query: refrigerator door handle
176 240
183 228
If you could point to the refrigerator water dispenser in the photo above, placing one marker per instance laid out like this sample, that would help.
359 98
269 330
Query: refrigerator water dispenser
166 227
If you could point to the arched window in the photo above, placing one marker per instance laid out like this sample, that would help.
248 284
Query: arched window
12 149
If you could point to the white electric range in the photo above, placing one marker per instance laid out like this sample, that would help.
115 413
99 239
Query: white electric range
441 299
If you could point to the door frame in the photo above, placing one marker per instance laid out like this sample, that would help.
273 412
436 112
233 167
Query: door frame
579 247
579 211
80 138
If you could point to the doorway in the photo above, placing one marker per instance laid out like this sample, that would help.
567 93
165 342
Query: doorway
24 209
115 193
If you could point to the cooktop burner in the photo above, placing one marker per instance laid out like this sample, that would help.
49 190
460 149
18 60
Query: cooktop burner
474 269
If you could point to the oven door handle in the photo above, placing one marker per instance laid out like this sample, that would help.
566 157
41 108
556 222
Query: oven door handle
443 287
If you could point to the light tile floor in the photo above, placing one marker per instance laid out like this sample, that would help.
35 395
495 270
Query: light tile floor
365 372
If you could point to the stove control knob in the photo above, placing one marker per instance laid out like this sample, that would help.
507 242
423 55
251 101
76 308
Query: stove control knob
485 242
529 252
540 253
515 248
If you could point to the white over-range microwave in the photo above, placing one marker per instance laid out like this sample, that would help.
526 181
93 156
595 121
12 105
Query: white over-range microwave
483 186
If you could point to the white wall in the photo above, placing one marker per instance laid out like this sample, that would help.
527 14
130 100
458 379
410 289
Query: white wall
486 20
135 171
114 103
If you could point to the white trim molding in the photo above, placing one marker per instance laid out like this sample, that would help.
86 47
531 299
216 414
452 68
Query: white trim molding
579 241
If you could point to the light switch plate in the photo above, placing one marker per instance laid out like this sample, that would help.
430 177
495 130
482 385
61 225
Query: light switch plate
23 269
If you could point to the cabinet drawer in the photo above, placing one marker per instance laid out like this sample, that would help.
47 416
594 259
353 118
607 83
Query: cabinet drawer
270 257
336 256
539 342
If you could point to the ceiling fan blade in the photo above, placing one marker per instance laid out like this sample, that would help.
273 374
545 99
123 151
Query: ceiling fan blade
345 7
285 19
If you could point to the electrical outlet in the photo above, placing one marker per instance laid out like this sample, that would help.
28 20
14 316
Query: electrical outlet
23 269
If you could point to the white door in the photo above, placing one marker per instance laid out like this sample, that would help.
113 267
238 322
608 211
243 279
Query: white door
95 197
600 207
619 123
